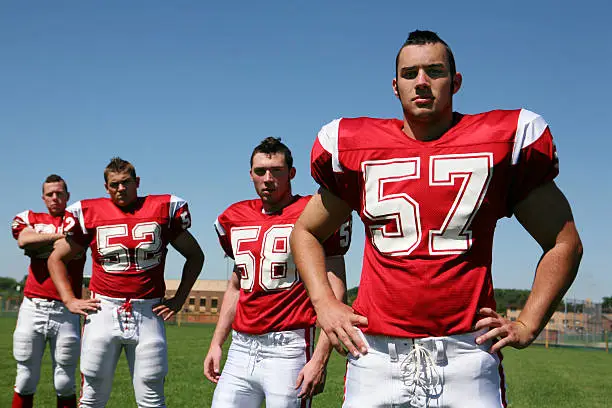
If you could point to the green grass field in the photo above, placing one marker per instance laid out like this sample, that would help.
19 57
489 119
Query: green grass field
537 377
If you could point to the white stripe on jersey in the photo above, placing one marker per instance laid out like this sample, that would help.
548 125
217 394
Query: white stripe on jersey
328 138
219 228
77 211
25 217
176 203
529 128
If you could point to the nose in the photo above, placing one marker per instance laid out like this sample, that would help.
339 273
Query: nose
121 187
268 176
422 79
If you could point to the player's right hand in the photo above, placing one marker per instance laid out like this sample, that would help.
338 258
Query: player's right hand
83 306
338 320
212 364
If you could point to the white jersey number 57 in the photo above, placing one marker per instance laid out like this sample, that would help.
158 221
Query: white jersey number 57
472 172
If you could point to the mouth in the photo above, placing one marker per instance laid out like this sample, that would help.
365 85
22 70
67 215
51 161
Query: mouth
423 99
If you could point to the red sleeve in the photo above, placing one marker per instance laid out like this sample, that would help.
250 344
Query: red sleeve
340 241
222 230
534 158
20 222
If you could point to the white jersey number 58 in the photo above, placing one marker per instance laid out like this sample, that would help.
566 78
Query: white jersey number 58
277 270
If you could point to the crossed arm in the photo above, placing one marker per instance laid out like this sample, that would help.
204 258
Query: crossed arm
30 240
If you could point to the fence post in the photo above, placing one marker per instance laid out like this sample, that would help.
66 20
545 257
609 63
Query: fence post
606 339
546 337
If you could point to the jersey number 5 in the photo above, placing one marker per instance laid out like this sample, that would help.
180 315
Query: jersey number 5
277 270
472 172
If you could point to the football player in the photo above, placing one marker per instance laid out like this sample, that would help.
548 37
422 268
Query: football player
271 356
429 190
42 315
128 236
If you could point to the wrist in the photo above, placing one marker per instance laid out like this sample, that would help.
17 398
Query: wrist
322 299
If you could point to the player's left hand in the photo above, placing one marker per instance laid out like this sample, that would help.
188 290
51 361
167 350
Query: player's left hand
168 307
509 333
311 378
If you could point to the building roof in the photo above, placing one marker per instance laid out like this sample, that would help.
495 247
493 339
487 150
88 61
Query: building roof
207 285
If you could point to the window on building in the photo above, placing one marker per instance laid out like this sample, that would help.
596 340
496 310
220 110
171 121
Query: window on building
202 302
214 302
191 301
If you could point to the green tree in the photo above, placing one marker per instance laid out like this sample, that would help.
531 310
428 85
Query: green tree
606 306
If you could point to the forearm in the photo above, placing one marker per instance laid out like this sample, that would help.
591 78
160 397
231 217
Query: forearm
30 239
226 317
59 276
309 258
337 279
191 271
554 275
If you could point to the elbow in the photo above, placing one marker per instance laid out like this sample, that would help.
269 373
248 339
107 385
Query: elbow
197 258
21 244
578 250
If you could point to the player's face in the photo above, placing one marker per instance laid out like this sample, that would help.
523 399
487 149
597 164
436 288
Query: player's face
122 188
424 84
55 197
271 177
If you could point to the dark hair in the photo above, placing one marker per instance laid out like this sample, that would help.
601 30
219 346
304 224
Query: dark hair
118 165
54 178
422 37
271 145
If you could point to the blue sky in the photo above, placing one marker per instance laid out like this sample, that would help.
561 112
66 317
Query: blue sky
186 89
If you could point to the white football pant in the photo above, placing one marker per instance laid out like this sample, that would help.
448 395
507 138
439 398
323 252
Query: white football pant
266 367
448 372
131 326
39 321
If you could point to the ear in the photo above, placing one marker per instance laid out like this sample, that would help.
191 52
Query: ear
67 196
106 188
137 182
251 174
394 85
457 80
292 173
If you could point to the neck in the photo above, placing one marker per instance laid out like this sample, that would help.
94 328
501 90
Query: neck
279 205
428 130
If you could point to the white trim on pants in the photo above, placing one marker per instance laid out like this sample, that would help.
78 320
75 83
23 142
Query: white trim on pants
266 367
451 371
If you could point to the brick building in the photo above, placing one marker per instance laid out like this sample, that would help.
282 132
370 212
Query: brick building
204 300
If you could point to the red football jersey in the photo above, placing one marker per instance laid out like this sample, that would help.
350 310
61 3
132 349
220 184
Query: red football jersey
128 249
39 283
429 210
272 295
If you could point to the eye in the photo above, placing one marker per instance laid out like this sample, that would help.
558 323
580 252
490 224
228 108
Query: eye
436 72
409 73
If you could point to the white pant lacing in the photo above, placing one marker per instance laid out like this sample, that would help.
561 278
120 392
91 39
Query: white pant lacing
419 372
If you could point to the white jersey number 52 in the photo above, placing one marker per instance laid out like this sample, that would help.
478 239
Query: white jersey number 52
472 172
116 257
